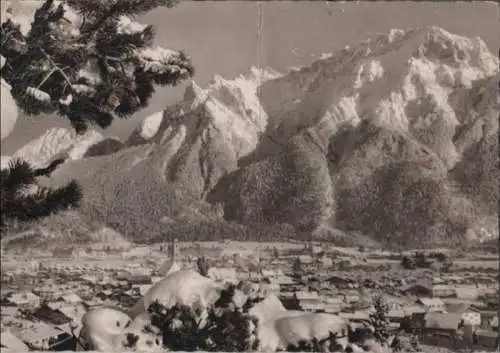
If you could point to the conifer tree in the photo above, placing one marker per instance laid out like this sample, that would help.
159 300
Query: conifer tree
379 321
21 204
88 60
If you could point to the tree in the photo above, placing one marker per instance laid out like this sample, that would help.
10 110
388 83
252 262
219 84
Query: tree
276 252
407 263
203 266
297 267
21 204
421 260
441 257
446 266
379 321
87 60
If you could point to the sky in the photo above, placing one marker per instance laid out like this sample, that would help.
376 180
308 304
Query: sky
222 38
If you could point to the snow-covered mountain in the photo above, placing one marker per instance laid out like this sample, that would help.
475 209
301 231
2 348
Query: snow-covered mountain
367 139
57 143
231 107
401 80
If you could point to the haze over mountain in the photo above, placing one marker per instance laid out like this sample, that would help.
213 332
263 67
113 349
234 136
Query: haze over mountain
377 139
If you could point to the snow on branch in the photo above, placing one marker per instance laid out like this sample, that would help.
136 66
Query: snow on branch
75 56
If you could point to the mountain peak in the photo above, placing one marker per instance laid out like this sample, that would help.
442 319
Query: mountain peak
193 93
55 142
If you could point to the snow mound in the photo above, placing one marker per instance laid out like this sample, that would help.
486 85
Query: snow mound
183 287
54 143
170 266
286 331
106 330
20 12
9 109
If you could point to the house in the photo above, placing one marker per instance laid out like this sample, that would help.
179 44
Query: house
104 294
155 279
441 329
340 282
90 279
311 306
51 316
137 279
74 312
357 316
395 315
467 292
351 298
270 284
142 289
325 262
92 304
306 259
431 304
10 343
332 308
336 299
436 322
309 301
269 273
487 339
9 312
71 298
223 274
470 315
443 291
493 322
24 299
42 336
284 280
304 295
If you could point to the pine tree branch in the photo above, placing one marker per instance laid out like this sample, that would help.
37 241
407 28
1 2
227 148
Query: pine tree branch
17 177
48 170
57 68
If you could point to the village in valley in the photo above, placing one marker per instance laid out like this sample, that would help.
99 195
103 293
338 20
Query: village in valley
443 300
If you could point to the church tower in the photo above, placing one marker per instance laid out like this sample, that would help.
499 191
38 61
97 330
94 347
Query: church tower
173 250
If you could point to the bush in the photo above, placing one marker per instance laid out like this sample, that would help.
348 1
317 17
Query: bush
220 329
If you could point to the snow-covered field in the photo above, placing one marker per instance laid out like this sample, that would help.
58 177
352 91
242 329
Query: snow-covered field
433 350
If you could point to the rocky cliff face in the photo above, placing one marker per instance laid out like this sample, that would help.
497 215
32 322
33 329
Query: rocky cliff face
378 139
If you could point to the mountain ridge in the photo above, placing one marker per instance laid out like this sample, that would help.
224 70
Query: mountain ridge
332 145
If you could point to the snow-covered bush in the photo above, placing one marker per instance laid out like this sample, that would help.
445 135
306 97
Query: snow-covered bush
224 326
8 105
219 330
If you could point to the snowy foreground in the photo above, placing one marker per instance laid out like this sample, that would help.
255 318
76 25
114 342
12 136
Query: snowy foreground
207 352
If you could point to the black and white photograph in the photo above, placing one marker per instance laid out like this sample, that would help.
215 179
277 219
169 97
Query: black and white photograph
249 176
